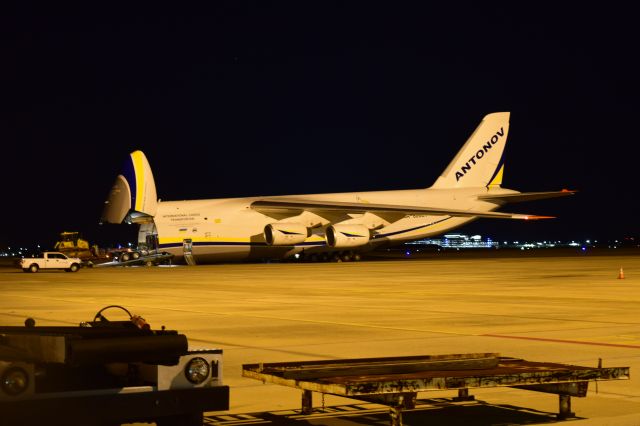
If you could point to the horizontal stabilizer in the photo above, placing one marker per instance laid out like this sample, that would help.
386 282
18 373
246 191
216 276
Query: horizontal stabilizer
524 196
295 206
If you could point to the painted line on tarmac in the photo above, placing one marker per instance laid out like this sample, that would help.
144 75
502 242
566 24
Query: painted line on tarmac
575 342
269 317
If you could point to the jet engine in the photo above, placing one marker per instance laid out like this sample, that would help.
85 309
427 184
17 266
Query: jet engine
343 235
285 234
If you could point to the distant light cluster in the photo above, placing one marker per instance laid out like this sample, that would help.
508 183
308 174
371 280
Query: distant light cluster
462 241
458 241
18 251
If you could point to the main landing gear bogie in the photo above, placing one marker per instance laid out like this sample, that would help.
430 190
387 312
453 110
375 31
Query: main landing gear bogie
338 256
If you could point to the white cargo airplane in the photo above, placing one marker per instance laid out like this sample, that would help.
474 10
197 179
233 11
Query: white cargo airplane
321 226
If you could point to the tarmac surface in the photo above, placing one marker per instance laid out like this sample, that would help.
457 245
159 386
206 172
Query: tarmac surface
570 309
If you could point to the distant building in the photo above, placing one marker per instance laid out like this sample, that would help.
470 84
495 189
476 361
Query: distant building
458 241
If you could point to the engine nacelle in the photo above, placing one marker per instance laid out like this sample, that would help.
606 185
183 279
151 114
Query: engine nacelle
285 234
347 235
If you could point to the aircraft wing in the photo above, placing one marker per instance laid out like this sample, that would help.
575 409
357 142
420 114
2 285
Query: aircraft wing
295 206
524 196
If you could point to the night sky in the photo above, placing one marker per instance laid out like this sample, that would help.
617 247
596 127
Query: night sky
263 98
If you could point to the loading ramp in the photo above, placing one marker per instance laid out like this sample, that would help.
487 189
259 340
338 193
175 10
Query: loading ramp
152 259
396 381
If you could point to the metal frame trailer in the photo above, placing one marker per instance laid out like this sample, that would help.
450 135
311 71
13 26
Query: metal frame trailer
148 260
396 381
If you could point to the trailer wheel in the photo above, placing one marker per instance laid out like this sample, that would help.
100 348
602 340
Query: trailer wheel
148 263
125 257
34 268
135 255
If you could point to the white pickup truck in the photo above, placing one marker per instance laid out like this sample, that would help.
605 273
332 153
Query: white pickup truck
50 260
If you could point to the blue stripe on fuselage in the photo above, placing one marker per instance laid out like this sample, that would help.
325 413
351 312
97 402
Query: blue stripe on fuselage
312 243
233 243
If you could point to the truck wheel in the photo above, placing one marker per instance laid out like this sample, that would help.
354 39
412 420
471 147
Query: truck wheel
34 268
135 255
74 267
125 257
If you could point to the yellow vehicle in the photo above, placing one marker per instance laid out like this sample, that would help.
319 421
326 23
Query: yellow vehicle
72 245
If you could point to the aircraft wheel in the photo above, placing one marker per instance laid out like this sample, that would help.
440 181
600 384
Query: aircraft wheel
34 268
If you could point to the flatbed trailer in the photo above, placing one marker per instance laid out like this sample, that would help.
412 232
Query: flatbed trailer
396 381
148 260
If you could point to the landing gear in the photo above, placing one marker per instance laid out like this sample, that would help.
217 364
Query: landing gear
350 256
336 256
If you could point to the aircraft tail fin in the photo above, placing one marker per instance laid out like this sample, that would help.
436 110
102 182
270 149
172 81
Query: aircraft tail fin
479 163
133 193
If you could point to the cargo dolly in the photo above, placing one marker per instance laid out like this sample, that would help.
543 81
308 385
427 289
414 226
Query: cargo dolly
396 381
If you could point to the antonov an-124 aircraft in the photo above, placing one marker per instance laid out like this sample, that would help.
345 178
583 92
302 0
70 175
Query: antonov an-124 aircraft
321 226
